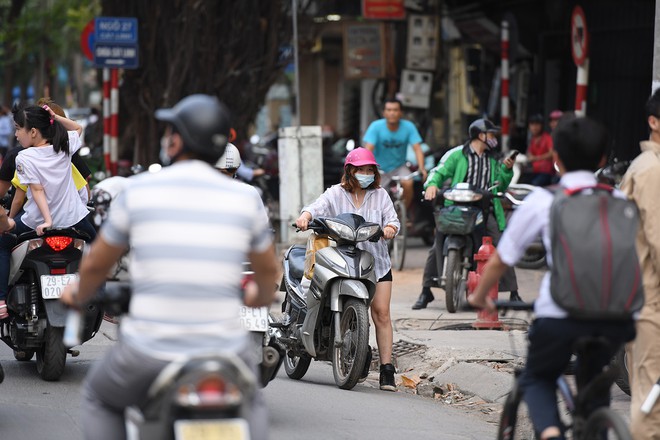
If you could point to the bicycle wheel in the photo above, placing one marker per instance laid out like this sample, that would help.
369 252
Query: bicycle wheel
397 245
508 428
605 424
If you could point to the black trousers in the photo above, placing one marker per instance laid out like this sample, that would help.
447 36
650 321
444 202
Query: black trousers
551 343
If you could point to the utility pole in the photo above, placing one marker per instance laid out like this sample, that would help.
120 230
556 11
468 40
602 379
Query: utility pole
655 84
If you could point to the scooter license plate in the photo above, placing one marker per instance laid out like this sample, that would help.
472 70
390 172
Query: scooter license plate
254 319
227 429
53 285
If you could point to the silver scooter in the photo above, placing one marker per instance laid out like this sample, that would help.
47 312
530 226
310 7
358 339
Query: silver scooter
330 321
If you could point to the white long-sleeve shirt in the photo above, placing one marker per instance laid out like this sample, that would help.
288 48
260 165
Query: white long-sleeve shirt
377 207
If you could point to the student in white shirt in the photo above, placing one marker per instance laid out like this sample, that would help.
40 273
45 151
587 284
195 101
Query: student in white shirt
580 149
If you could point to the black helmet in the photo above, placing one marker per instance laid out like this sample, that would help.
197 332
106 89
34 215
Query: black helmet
202 121
482 126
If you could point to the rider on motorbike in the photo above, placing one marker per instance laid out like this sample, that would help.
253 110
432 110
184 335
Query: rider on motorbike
185 270
472 163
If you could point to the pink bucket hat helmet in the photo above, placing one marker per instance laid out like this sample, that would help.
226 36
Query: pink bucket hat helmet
359 157
556 114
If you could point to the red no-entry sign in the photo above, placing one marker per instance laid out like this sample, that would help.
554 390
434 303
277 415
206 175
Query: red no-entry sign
87 40
579 36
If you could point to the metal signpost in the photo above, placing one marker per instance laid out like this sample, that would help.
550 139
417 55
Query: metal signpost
113 44
116 42
580 52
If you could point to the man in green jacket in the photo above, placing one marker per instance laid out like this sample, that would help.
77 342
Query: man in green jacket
473 163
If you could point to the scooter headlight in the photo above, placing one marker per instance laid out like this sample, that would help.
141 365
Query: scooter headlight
344 232
366 232
462 195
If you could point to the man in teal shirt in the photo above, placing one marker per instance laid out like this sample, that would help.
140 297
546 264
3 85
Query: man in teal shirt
472 163
389 138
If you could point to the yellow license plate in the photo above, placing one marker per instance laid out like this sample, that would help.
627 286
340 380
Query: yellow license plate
228 429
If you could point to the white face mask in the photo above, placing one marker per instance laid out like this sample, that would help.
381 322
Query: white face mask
364 179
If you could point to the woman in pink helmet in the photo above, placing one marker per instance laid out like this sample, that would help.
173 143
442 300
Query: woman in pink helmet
359 192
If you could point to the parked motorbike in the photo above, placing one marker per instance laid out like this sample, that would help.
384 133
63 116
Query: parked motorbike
534 257
41 266
330 322
193 398
462 226
268 353
100 201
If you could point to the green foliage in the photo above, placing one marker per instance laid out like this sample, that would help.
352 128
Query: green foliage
47 29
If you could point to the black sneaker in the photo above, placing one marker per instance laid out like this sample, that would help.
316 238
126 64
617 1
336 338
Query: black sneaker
367 367
387 377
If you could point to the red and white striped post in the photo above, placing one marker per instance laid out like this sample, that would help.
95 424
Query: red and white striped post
114 120
505 86
581 88
580 53
106 119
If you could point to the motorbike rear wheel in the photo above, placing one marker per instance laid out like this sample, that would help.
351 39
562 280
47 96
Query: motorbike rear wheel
51 357
349 358
532 259
296 366
621 361
453 284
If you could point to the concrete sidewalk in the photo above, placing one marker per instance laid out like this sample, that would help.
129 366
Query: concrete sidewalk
458 365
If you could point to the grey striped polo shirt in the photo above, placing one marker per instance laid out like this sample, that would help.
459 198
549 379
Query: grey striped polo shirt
190 228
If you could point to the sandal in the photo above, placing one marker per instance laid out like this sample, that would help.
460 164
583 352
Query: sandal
3 310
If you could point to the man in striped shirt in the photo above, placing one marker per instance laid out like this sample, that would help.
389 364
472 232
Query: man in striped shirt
472 163
190 229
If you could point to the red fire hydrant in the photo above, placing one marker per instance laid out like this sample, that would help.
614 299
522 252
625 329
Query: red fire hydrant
485 319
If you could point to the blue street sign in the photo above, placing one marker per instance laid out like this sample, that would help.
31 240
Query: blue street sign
116 30
116 56
116 42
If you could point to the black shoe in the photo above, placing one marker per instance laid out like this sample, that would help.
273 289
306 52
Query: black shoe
387 377
424 298
367 367
513 296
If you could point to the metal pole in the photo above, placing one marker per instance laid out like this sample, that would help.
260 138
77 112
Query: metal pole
284 220
581 89
114 119
106 121
505 86
296 86
655 85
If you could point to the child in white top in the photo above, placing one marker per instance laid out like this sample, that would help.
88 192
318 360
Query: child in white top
45 167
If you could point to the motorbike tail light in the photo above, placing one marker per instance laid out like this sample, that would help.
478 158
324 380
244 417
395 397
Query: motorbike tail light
61 271
209 391
58 243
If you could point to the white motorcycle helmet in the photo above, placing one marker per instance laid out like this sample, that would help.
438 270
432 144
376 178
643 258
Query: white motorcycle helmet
231 159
